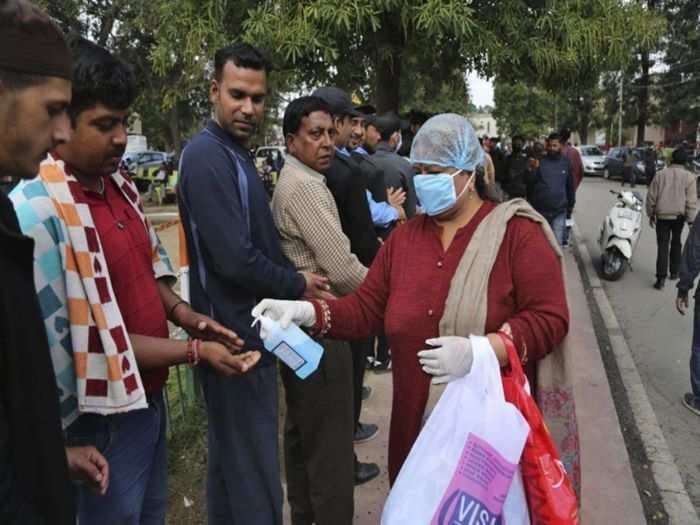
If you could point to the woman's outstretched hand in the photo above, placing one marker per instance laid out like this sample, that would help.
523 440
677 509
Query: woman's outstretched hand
301 313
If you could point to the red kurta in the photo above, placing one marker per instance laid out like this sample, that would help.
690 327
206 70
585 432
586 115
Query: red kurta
405 293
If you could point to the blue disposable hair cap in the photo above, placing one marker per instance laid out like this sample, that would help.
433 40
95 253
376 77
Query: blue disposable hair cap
447 140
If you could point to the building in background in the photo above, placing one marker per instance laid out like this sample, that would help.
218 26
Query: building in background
484 124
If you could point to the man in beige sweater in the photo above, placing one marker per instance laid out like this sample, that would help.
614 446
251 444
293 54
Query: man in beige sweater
318 439
671 202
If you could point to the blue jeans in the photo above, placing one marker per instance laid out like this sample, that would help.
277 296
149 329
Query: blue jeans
695 354
558 225
135 445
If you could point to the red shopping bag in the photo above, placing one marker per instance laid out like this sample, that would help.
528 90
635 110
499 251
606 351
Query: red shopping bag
550 495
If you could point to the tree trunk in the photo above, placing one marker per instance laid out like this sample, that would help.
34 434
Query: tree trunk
583 105
388 77
643 108
174 125
387 62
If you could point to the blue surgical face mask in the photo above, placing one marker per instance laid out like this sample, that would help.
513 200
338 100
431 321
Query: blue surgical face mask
437 193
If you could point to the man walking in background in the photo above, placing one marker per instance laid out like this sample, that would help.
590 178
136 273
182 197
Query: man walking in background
671 203
553 194
689 269
236 259
629 175
517 169
572 155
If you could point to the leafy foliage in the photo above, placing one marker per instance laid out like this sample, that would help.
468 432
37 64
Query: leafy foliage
399 54
679 86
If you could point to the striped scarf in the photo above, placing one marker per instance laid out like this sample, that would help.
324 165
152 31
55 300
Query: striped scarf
94 363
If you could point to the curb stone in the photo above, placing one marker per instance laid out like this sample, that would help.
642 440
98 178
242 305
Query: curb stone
674 496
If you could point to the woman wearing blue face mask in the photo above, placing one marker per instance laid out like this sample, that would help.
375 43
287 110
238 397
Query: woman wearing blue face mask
467 266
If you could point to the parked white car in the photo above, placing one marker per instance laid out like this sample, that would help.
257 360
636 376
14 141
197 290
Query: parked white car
276 154
593 159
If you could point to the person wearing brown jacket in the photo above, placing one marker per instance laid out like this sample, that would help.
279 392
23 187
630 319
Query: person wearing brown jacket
671 202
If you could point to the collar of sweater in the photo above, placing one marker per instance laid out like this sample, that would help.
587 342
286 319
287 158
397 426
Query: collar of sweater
296 165
385 146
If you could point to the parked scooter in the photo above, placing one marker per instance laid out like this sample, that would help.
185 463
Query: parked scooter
619 233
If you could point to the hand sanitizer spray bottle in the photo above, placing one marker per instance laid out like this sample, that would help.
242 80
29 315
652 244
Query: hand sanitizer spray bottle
291 345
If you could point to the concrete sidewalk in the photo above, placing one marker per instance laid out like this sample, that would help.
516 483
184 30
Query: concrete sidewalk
608 490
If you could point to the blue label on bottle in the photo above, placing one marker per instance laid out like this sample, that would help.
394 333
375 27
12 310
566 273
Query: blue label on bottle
289 356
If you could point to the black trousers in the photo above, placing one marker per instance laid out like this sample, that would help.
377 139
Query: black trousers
360 351
668 232
318 439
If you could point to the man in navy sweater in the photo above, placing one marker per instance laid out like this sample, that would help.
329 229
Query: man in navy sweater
236 260
552 189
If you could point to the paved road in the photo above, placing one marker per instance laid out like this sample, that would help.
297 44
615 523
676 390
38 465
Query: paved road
657 335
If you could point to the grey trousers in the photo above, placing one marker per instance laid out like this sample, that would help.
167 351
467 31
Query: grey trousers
243 478
318 440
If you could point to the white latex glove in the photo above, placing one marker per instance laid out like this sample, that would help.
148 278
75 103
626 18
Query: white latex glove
301 313
451 359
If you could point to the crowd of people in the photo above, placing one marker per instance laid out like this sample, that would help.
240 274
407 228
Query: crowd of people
361 245
389 244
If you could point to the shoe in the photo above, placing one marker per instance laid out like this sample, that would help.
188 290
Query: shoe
673 277
370 363
365 432
366 392
659 284
381 366
691 404
365 472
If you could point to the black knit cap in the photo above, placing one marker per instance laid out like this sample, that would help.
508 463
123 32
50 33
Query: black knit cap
31 43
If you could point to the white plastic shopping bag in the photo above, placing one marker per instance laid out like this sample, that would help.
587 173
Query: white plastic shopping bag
463 468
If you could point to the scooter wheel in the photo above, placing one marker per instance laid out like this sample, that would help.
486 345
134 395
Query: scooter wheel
614 265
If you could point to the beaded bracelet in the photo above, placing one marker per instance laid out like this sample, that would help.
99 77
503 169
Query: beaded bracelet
323 325
193 346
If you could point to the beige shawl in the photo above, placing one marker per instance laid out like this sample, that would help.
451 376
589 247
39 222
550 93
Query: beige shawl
465 314
465 308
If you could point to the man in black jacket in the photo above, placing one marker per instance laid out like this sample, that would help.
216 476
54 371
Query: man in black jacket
346 183
344 179
35 90
516 170
398 172
361 152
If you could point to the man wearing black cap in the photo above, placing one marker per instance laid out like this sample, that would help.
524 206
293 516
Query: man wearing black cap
344 179
398 172
346 183
35 90
360 151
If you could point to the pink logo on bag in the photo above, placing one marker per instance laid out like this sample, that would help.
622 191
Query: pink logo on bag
478 489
